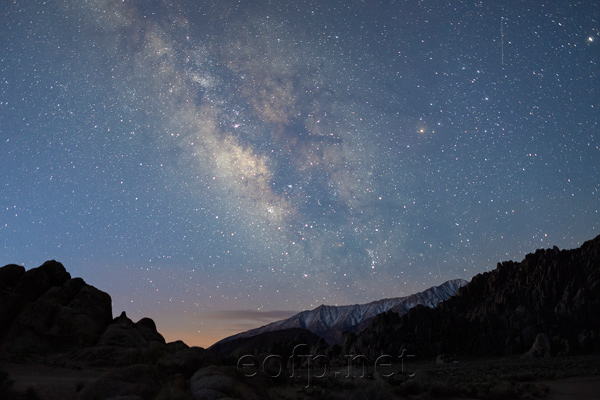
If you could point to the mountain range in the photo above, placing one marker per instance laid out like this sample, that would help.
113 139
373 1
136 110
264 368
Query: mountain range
329 322
546 306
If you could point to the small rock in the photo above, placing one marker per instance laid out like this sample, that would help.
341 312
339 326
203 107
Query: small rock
540 348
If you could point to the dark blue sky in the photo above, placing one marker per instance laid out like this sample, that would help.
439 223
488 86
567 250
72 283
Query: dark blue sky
202 161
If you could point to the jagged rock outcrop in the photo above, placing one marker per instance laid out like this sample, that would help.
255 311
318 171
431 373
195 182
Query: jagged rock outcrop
126 343
123 332
185 361
123 343
501 312
53 319
44 310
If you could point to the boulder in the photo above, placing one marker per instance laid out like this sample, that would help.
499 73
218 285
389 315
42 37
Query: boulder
124 343
37 281
176 346
444 359
44 310
123 332
147 328
540 348
9 275
20 287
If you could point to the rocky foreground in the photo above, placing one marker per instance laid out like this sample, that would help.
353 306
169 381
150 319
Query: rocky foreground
515 332
58 333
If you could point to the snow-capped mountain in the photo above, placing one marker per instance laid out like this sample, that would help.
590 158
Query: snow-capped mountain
330 321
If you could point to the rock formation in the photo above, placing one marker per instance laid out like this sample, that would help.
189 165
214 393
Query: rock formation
44 310
546 305
49 318
551 292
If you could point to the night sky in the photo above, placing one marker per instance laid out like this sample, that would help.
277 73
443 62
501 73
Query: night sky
218 165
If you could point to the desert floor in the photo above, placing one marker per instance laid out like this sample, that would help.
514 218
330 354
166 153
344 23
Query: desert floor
554 378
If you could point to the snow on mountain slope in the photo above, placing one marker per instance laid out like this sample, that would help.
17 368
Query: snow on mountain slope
330 321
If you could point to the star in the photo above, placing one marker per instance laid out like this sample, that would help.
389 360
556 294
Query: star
247 149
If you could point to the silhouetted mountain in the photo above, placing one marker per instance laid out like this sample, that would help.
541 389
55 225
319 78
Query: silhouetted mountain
329 322
547 304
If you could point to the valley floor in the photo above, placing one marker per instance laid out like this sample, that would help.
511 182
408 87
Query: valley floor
555 378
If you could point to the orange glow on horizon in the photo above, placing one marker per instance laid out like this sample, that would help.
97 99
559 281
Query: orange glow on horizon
200 340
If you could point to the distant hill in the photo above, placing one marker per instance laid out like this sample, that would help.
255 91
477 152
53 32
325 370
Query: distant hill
547 304
329 322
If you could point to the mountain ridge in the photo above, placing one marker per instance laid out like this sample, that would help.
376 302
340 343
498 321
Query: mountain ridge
547 304
544 306
330 321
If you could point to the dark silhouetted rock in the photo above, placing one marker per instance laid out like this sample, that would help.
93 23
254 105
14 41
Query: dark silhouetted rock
176 346
186 361
115 356
37 281
44 310
540 348
147 328
443 359
502 312
124 342
9 275
123 332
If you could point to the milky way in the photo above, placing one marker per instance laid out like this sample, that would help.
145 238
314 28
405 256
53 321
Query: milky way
201 159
